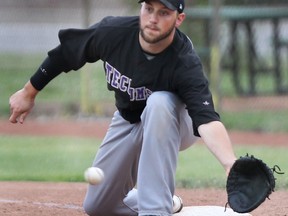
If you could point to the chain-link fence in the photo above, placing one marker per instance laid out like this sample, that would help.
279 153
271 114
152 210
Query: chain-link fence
253 49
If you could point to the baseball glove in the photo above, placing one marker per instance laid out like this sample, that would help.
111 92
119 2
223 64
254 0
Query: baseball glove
249 183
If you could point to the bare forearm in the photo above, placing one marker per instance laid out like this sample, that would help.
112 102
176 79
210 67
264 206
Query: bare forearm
216 138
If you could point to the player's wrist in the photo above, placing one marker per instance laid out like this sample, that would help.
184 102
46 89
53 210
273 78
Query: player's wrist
227 166
29 90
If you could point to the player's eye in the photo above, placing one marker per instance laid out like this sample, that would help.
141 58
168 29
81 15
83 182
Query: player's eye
149 9
163 13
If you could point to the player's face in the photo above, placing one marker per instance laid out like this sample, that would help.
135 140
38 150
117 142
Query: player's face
157 22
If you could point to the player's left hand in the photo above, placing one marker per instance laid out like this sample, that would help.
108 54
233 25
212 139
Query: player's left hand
249 183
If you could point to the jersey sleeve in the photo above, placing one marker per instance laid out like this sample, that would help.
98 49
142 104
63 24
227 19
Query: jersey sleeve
76 48
193 88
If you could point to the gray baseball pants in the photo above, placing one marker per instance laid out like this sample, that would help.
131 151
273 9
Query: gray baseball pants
146 154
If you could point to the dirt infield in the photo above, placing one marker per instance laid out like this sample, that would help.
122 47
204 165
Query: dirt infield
65 199
46 199
97 129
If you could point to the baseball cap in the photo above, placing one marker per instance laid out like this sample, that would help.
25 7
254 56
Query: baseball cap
178 5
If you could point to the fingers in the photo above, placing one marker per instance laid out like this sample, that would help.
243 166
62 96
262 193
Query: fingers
18 117
23 117
14 116
13 119
13 113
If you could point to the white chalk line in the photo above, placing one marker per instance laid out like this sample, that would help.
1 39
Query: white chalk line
45 204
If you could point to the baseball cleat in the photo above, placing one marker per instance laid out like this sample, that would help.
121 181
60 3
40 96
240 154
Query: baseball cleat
177 204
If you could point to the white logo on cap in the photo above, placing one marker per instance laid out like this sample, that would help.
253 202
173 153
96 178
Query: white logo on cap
180 6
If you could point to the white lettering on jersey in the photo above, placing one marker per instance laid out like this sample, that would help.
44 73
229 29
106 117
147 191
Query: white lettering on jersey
123 83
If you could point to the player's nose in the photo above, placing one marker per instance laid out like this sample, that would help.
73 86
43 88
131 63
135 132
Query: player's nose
153 18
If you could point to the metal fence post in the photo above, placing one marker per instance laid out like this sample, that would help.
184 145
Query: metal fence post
85 75
215 54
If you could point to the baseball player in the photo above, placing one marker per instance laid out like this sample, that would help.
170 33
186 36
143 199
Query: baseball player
163 104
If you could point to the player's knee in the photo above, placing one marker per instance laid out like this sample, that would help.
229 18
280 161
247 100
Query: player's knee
88 208
100 206
93 209
162 100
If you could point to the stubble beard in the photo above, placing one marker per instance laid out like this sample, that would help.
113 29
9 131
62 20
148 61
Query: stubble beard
156 39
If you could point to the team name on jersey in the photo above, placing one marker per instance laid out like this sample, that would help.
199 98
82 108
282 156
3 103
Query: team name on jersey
123 83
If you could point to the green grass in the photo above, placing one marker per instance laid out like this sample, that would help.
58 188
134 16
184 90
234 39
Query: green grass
45 158
28 158
255 120
199 168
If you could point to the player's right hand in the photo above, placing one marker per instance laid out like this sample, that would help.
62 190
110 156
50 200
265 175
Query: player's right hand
21 103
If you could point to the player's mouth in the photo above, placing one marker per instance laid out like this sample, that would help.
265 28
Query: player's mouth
152 28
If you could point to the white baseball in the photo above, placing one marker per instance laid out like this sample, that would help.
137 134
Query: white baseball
94 175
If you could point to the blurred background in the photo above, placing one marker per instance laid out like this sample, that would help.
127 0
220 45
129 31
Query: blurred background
243 46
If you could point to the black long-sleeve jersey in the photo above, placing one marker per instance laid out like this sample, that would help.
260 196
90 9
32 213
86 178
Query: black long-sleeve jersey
129 73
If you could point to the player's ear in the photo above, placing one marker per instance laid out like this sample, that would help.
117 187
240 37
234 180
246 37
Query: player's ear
180 18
